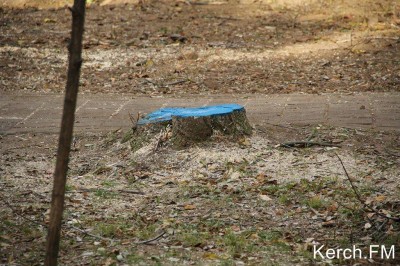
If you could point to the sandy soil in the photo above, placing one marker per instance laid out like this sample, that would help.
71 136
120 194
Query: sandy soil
248 202
208 48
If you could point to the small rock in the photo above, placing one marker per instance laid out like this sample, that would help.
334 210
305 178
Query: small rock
265 197
87 254
216 44
101 250
235 176
270 28
178 38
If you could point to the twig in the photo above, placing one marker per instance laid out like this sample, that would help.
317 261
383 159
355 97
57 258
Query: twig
20 215
175 83
382 38
151 240
305 144
305 163
392 154
224 18
276 125
198 3
350 181
159 141
117 240
106 190
89 234
358 196
82 230
24 146
315 211
133 120
131 191
151 82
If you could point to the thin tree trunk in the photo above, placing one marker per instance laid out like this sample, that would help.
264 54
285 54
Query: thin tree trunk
64 144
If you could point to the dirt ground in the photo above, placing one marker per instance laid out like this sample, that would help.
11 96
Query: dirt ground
247 202
173 47
218 203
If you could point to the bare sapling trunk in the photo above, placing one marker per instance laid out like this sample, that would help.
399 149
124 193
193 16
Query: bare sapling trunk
65 139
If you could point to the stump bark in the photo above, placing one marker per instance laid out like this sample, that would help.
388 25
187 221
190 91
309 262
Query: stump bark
187 130
184 130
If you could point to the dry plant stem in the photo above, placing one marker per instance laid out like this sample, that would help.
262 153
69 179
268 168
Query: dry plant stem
358 196
65 139
89 234
117 240
107 190
40 224
133 120
151 240
307 144
350 181
20 215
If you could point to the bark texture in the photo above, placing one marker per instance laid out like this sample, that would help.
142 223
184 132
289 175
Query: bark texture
188 130
65 139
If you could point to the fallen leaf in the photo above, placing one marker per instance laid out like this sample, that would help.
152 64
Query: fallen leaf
330 223
380 198
49 20
189 207
210 256
235 228
254 236
109 262
265 197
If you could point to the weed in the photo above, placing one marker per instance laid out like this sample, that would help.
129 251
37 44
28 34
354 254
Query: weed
9 223
101 193
113 228
284 199
68 187
109 183
270 236
213 224
237 243
316 202
146 232
134 259
127 136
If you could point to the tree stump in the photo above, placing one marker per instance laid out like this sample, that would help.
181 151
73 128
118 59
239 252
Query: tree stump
185 126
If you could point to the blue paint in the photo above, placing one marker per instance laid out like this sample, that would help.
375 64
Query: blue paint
166 114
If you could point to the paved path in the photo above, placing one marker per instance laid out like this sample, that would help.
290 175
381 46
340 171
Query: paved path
42 112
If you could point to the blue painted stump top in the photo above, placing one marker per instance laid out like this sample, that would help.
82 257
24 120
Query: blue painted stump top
166 114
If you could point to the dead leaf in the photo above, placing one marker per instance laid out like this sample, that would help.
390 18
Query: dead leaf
254 236
189 207
49 20
265 197
330 223
333 207
380 198
261 178
235 228
210 256
109 262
